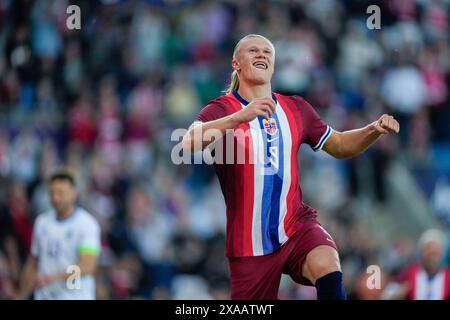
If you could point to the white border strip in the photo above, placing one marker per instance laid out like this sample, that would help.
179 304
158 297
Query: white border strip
323 139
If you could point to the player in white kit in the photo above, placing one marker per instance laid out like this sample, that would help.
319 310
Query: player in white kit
65 248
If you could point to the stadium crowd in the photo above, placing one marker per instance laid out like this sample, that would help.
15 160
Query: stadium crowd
105 99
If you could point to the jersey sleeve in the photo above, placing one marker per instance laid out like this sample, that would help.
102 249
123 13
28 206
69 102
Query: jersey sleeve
212 111
90 238
316 131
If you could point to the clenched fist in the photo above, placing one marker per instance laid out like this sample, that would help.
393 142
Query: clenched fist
387 124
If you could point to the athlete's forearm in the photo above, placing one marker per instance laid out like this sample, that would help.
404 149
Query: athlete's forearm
27 279
63 276
87 266
200 136
354 142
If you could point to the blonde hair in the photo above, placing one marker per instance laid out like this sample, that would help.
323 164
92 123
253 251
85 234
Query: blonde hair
234 81
432 235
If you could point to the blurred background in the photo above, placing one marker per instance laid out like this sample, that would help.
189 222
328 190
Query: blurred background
104 100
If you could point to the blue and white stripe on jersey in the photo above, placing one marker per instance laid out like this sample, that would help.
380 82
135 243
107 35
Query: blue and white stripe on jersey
272 180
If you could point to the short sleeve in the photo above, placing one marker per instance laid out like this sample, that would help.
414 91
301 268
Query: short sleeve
316 131
214 110
90 238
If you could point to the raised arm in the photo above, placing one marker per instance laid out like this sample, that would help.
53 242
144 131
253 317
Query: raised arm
349 144
197 138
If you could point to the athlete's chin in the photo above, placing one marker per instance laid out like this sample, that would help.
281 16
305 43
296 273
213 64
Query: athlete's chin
260 80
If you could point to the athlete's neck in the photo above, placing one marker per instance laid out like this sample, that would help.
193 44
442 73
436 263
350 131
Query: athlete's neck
66 213
251 92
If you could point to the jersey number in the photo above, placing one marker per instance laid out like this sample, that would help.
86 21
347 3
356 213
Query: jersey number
273 157
53 248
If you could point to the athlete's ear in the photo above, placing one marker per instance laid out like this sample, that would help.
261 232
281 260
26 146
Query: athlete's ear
235 65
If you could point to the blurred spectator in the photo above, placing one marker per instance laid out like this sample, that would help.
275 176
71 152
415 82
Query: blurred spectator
82 125
18 205
429 278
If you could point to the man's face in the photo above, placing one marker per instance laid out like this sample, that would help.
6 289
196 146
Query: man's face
62 195
432 254
254 61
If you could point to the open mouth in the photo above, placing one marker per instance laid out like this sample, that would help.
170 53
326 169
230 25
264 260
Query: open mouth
260 65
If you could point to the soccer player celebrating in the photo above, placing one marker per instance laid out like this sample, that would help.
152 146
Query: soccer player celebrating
66 244
270 230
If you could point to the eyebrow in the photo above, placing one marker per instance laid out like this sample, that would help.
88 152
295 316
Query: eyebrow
265 48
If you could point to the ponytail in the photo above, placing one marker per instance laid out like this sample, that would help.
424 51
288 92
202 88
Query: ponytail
234 82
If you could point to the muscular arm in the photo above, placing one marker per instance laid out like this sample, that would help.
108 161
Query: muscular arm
27 278
352 143
200 136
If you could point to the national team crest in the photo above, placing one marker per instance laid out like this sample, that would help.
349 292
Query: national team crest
270 126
